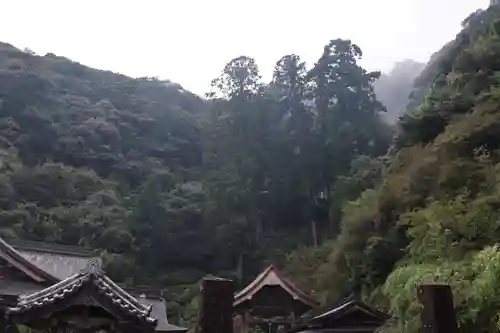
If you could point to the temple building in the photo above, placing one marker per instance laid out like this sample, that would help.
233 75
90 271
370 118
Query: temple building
63 288
272 303
348 315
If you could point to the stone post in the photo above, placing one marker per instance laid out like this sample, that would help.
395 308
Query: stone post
216 314
438 311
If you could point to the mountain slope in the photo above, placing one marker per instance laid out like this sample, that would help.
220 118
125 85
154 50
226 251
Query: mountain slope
433 217
168 187
89 157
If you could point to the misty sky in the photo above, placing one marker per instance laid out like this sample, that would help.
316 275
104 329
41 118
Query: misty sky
189 41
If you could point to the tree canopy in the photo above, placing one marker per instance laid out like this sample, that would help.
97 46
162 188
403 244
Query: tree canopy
303 170
168 186
431 214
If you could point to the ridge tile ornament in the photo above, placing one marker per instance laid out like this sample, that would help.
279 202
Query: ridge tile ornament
90 282
94 266
52 286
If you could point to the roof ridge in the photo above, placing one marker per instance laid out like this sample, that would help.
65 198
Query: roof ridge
31 297
254 282
287 284
27 245
294 287
94 276
352 301
125 295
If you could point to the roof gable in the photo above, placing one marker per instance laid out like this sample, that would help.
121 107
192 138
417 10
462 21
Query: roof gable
349 311
60 262
92 283
271 276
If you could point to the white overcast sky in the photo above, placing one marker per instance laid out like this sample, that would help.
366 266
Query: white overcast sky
189 41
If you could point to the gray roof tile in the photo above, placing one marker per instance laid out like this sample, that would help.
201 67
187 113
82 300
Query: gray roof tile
159 311
18 288
92 276
59 265
63 262
59 261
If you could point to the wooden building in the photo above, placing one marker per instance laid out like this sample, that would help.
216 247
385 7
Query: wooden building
61 288
273 303
348 315
270 303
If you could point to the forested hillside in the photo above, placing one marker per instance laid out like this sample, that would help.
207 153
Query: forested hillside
170 187
100 160
433 215
302 171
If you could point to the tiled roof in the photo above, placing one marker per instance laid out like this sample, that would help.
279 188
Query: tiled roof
14 258
338 311
92 276
60 261
18 287
271 276
19 244
348 306
159 312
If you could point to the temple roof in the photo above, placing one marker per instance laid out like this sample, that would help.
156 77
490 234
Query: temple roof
14 258
48 264
349 312
16 288
351 305
159 309
92 279
271 276
60 261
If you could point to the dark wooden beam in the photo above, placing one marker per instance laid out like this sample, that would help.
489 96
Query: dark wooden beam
281 321
438 311
216 315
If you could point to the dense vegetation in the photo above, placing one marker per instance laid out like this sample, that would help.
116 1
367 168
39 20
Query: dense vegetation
302 170
433 216
100 160
169 187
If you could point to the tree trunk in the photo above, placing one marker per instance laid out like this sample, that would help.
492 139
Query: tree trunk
314 231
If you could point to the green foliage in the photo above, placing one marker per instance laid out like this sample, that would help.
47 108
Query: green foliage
96 159
276 154
169 188
431 214
474 281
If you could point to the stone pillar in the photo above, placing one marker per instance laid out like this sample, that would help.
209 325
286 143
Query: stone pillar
438 311
216 315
